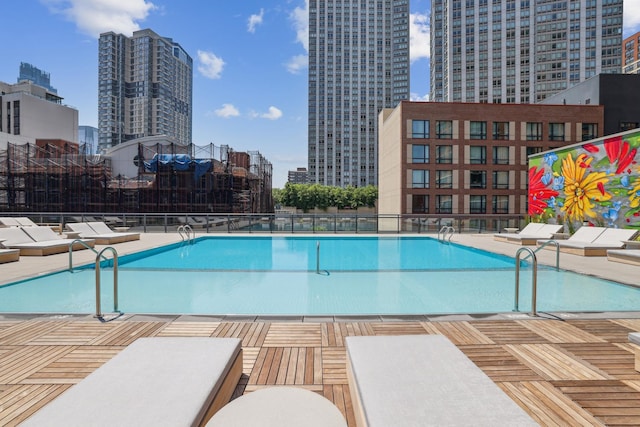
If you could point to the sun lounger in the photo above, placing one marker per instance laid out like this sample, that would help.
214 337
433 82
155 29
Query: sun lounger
17 238
104 230
9 255
9 222
545 232
530 229
595 241
153 382
421 380
627 256
85 230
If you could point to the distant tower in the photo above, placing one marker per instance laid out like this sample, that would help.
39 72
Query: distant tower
358 65
36 75
145 88
508 51
631 54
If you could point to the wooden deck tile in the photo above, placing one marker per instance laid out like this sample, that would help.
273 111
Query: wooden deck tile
559 332
188 329
334 365
550 362
460 333
124 333
612 401
507 332
26 332
398 328
547 405
615 359
18 402
27 360
608 330
294 335
499 364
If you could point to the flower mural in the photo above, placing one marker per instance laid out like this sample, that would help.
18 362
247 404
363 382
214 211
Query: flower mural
582 188
597 181
539 192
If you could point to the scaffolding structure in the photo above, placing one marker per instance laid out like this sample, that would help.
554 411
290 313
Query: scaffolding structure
45 177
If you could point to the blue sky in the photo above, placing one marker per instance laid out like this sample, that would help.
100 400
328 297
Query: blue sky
250 73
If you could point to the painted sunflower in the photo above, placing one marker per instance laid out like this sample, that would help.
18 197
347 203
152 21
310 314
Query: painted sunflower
582 188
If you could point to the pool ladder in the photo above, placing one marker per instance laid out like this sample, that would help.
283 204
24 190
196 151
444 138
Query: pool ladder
99 257
534 273
186 233
446 233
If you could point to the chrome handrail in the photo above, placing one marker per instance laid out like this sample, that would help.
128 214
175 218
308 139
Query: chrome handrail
186 233
446 230
71 251
550 242
115 281
534 280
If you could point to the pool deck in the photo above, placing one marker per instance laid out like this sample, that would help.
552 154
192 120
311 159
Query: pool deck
562 368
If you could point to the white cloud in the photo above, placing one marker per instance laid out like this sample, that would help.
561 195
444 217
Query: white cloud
98 16
273 114
417 97
300 18
227 110
210 65
297 63
631 17
419 38
255 20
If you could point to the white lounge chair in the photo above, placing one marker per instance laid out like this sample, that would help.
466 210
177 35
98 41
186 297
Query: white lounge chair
103 229
85 230
423 380
153 382
545 232
7 221
9 255
626 256
595 241
47 243
530 229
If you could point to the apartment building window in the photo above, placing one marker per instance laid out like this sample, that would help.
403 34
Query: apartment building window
623 126
478 130
500 130
500 204
444 179
16 117
444 154
556 131
444 204
420 204
500 180
477 154
478 179
444 129
534 131
420 154
500 155
589 131
420 128
420 179
477 204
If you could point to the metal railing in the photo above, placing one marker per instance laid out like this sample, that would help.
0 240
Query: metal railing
186 233
547 243
445 231
83 243
534 280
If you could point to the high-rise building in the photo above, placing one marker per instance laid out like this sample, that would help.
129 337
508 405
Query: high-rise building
145 88
88 139
358 65
298 176
36 76
507 51
631 54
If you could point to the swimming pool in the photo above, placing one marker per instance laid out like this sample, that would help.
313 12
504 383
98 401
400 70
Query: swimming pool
386 275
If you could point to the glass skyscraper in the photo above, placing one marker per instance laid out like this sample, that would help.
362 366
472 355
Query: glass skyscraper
520 51
358 65
36 75
145 88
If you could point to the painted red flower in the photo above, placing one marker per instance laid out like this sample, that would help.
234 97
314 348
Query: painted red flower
619 151
539 193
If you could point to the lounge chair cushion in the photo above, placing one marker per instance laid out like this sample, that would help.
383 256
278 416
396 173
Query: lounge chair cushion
14 236
422 380
152 382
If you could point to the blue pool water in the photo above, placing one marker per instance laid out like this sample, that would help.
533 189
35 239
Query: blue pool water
277 276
